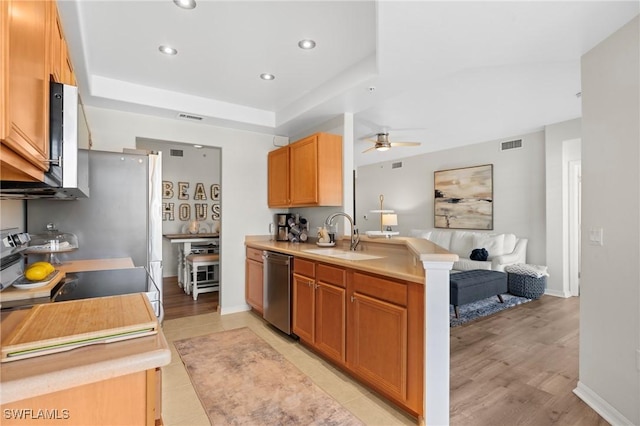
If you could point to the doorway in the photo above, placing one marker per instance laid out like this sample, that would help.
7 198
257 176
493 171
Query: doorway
575 213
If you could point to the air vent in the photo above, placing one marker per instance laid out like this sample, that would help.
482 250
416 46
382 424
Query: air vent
189 117
396 165
512 144
176 153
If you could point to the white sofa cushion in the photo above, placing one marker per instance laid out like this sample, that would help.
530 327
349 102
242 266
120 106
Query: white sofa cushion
494 244
462 243
441 238
510 241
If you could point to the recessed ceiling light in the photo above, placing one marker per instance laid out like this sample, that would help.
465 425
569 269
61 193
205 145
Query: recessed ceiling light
185 4
306 44
168 50
267 76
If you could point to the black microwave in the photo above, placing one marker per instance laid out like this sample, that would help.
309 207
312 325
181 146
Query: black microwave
68 174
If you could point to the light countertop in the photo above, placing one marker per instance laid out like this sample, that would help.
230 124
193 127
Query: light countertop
401 257
50 373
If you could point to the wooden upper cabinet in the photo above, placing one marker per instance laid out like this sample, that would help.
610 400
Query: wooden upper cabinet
56 40
61 67
311 175
33 51
25 53
278 179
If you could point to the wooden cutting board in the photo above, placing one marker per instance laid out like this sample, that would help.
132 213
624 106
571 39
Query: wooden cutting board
56 327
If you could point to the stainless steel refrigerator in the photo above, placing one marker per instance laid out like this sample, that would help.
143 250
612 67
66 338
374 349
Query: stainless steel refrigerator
122 216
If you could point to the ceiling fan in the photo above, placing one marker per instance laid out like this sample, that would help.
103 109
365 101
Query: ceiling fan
382 143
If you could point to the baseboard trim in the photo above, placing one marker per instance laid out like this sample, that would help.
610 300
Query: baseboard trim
556 293
600 406
234 309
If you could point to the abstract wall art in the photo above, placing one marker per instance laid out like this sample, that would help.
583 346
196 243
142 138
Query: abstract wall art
464 198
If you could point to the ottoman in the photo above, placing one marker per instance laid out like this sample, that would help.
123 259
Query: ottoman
474 285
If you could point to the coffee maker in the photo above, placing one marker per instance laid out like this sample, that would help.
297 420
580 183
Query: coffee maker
283 223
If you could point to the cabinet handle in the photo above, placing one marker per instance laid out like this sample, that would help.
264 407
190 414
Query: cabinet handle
353 299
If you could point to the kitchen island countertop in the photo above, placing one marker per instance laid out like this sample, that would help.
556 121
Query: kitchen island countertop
46 374
400 257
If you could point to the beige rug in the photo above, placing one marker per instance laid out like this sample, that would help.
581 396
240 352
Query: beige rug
240 379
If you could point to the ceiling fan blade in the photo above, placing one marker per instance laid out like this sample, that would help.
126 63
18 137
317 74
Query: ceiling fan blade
405 143
369 149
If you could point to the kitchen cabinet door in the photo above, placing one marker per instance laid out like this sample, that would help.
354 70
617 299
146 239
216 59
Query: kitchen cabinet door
57 40
254 279
378 344
303 307
278 177
304 172
61 67
316 171
330 321
254 284
25 54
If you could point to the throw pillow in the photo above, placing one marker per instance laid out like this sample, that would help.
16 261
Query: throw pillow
479 254
494 244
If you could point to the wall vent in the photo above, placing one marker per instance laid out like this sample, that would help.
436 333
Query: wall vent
512 144
176 153
189 116
396 165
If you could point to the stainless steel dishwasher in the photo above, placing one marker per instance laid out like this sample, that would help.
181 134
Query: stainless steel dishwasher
277 290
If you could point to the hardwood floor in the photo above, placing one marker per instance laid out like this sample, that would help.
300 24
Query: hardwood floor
519 367
178 304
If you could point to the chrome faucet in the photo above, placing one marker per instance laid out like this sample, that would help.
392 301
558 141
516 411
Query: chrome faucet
355 237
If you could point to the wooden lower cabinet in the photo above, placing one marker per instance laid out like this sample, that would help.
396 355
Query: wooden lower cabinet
378 343
125 400
319 308
369 325
254 279
303 307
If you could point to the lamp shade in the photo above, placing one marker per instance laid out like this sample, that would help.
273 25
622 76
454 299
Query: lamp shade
390 219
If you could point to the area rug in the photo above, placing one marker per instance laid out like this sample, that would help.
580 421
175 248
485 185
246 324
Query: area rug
241 380
483 308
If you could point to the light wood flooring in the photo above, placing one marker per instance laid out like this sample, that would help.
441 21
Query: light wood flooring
517 367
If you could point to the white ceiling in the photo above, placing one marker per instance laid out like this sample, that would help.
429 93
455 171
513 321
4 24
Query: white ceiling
445 73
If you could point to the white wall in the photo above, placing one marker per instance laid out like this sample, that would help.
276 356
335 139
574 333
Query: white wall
244 180
12 214
557 156
518 189
610 286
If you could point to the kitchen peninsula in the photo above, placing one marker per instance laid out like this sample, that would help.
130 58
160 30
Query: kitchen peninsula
375 317
111 383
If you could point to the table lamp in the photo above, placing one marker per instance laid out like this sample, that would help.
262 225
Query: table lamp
389 220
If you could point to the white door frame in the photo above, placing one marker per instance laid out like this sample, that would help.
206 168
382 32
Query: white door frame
575 201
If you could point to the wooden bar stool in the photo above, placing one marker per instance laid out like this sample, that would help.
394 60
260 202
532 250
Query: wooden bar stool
194 262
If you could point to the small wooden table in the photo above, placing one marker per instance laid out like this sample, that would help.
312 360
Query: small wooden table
185 241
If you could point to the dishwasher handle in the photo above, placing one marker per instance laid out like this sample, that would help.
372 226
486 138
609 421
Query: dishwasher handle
277 258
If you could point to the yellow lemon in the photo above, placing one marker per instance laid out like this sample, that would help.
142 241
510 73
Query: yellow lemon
38 271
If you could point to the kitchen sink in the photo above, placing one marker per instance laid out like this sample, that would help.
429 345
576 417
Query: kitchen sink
342 254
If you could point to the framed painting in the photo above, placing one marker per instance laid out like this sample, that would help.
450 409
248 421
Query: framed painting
464 198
